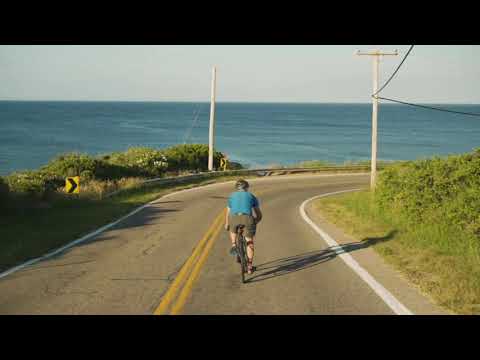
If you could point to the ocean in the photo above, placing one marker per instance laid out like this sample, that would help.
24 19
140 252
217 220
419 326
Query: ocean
254 134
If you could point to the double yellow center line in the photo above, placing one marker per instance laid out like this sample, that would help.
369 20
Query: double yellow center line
173 304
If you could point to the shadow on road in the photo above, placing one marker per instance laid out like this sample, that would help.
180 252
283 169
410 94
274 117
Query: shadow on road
303 261
367 242
146 217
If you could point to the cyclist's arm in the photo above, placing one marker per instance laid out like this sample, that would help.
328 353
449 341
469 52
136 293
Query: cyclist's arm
258 214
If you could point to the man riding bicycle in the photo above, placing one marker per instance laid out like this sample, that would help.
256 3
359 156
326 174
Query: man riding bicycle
243 209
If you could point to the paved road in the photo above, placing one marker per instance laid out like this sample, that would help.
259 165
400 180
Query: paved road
128 269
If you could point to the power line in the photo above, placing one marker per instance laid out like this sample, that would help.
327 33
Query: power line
194 122
396 70
429 107
411 104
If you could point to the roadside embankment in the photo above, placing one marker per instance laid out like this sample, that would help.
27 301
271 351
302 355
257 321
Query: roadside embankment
37 216
424 219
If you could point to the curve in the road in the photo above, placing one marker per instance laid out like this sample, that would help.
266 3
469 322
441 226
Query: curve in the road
130 267
93 234
396 306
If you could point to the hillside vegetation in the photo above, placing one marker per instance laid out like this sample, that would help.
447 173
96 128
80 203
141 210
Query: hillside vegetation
105 173
36 215
427 215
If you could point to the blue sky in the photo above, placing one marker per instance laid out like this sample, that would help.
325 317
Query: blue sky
315 73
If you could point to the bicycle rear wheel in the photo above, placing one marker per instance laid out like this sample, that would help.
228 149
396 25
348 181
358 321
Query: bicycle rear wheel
242 255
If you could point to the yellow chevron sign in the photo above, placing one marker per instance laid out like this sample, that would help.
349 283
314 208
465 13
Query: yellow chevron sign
223 163
72 185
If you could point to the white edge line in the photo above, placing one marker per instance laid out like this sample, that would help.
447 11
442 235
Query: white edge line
108 226
396 306
94 233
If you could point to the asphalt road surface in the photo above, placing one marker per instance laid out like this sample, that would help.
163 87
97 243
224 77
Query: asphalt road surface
132 267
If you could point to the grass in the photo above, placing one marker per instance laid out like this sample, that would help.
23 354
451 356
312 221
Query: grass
28 231
30 228
442 260
97 189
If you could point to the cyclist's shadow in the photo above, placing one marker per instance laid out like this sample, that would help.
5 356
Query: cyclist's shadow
290 264
295 263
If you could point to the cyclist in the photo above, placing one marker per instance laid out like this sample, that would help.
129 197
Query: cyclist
243 209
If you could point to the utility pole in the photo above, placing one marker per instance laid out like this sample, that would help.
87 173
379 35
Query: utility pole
211 137
376 54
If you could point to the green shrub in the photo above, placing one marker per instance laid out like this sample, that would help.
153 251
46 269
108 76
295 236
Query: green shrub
437 189
148 162
28 183
192 157
107 167
232 165
71 164
87 175
138 161
108 171
34 184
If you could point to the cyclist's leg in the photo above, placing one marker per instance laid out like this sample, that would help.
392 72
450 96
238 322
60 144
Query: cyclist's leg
233 221
251 230
250 253
232 237
250 247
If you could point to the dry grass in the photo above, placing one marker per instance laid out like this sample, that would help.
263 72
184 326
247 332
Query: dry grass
96 189
449 277
30 231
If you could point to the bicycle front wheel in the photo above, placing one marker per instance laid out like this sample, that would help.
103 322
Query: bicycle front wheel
242 254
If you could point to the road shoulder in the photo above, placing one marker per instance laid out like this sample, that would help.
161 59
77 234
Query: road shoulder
394 281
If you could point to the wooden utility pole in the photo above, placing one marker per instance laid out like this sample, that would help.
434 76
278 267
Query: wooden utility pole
376 54
211 137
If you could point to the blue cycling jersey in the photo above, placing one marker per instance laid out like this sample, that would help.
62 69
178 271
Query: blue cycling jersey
242 202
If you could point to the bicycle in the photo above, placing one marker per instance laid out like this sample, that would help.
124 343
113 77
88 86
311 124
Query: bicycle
241 247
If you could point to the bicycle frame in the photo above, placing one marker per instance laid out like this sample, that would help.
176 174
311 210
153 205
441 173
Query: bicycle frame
241 245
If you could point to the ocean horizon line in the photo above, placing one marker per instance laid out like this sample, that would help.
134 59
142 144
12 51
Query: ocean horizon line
226 102
34 132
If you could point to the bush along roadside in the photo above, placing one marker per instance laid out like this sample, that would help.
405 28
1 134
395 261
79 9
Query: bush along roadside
427 213
4 193
27 233
446 189
37 216
106 173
